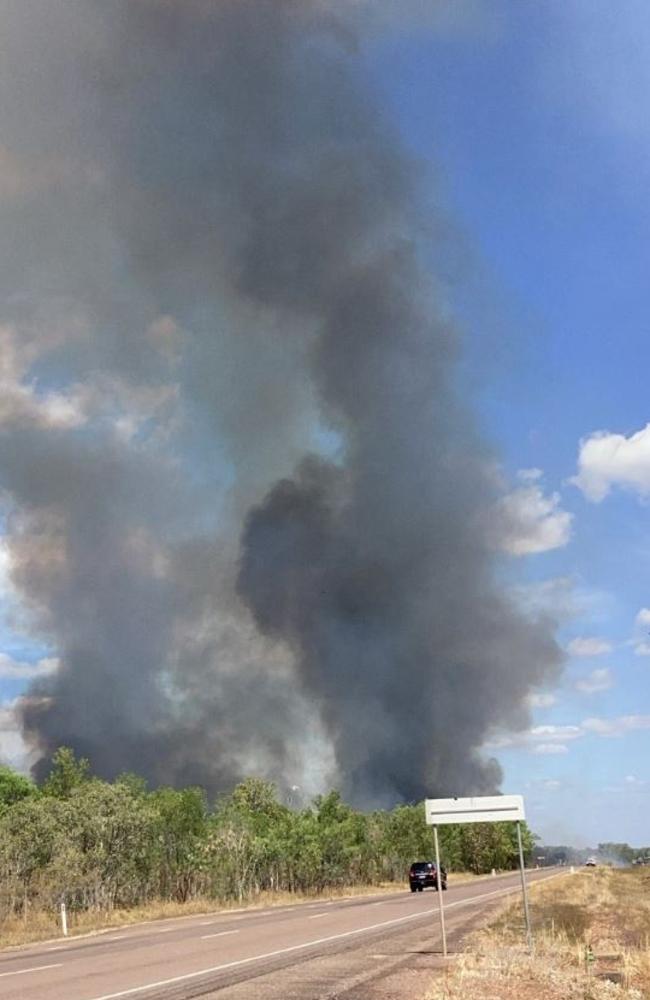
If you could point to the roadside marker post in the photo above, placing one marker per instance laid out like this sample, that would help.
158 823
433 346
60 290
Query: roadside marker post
478 809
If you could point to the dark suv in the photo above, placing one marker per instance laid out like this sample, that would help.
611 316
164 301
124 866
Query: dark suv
423 874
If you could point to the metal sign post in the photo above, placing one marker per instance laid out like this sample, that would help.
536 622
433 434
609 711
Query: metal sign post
524 887
481 809
439 881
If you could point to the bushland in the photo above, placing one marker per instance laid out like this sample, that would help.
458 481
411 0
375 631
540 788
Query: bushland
102 846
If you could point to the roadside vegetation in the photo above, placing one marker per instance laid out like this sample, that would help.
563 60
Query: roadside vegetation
116 851
591 942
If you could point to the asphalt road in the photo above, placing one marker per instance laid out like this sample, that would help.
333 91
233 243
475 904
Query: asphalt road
309 950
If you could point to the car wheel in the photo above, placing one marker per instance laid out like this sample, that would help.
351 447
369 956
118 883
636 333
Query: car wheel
444 886
420 888
413 888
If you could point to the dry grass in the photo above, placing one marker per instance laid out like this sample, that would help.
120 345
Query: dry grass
605 910
44 925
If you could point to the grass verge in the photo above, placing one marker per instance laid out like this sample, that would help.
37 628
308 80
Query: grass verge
44 925
591 942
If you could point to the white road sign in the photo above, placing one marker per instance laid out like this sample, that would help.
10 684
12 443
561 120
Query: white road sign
480 809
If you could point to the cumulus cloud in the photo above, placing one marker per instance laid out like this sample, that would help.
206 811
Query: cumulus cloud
608 460
556 739
531 521
541 699
562 598
546 739
619 726
598 680
547 749
17 670
588 646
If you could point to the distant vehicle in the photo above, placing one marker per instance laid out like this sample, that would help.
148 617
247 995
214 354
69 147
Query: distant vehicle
423 874
591 863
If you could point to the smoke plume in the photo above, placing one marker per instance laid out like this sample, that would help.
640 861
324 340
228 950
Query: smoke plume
245 503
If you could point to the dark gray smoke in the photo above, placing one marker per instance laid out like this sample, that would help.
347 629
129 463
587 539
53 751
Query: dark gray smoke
245 503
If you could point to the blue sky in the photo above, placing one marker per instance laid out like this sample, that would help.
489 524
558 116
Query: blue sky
533 115
532 119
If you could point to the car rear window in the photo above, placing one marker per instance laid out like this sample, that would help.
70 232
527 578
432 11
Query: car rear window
420 866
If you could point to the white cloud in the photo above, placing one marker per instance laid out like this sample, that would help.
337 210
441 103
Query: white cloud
555 733
555 597
633 782
530 475
111 402
539 738
530 521
642 625
588 646
16 670
20 399
541 699
598 680
551 784
563 598
556 739
606 460
5 567
13 750
617 726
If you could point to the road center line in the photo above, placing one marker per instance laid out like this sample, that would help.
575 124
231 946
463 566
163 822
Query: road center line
204 937
38 968
307 944
316 916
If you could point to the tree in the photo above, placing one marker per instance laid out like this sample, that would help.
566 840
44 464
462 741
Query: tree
67 773
13 788
180 831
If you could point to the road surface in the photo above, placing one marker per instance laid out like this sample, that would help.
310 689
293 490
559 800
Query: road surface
307 951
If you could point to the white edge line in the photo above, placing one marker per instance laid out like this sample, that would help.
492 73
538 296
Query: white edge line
89 937
306 944
38 968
